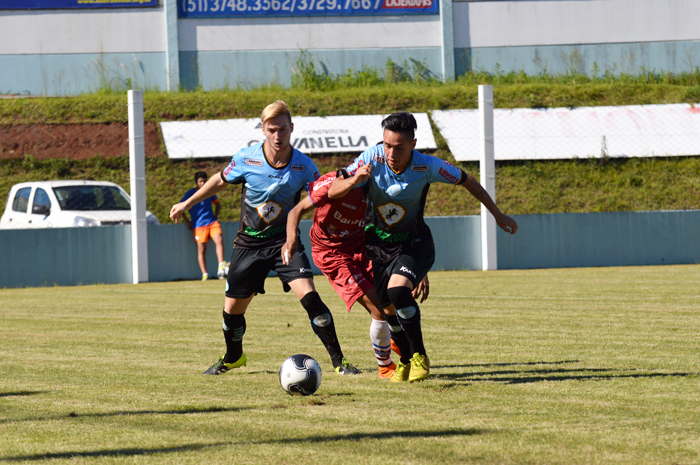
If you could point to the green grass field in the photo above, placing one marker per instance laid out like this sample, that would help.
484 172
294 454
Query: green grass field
596 365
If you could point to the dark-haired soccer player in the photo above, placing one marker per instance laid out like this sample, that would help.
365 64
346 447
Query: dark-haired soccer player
205 225
338 249
273 175
398 241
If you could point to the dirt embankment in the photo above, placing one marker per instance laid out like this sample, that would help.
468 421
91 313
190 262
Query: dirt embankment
78 141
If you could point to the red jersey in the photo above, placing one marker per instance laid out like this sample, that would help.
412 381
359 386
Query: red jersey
339 223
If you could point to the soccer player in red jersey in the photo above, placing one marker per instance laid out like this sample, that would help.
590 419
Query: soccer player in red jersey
338 249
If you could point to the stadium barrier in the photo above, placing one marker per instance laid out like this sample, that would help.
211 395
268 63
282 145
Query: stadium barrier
103 255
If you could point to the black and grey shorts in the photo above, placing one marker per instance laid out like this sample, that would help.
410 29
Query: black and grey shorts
250 267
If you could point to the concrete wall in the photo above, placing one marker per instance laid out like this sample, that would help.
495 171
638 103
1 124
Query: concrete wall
620 36
66 52
72 256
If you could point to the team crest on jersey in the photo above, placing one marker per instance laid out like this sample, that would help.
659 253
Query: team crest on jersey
269 211
250 161
420 168
391 213
297 167
380 159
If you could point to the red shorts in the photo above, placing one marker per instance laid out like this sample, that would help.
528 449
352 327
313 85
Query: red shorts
203 233
350 274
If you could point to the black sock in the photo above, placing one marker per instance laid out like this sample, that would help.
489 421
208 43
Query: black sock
234 329
399 338
408 314
322 324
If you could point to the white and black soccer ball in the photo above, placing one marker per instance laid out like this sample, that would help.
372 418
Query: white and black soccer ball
300 375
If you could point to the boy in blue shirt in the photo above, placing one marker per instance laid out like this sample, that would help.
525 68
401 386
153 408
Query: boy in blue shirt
205 225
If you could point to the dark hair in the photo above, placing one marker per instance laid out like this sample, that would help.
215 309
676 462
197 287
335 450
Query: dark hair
402 122
200 174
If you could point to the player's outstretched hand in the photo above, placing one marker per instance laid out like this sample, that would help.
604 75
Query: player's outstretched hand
422 288
177 211
507 224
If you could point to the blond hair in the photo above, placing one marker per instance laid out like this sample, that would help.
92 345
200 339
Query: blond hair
275 109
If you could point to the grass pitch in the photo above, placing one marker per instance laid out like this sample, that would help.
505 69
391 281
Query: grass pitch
596 365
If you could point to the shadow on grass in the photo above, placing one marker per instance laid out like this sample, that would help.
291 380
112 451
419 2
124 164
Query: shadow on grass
382 435
561 374
22 393
112 453
195 447
183 411
486 365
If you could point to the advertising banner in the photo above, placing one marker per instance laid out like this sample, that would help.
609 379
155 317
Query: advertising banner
312 134
266 8
60 4
586 132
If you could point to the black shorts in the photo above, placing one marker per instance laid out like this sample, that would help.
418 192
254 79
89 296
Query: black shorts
249 269
412 260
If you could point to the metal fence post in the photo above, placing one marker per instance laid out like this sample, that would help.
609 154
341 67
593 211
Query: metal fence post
137 165
489 252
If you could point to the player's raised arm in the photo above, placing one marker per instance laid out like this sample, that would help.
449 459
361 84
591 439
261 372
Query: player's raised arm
505 222
214 185
293 220
342 185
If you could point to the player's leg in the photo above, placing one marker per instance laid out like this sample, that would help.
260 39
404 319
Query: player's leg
379 333
219 243
297 276
201 258
247 279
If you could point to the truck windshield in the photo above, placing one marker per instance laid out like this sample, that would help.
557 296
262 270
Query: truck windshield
91 197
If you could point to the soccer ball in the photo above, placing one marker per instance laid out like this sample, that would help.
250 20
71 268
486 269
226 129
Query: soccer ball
300 375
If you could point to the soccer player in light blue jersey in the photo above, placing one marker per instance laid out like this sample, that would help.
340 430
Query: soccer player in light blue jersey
272 175
397 240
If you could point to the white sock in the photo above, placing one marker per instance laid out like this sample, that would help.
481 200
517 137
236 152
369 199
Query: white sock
380 334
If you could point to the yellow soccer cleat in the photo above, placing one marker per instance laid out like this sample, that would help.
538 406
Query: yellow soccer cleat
420 367
402 372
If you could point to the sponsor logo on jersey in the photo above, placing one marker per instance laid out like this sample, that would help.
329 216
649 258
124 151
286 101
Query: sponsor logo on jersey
406 270
420 168
360 164
250 161
391 213
229 168
297 167
269 211
273 176
380 159
445 174
325 182
340 218
347 205
407 3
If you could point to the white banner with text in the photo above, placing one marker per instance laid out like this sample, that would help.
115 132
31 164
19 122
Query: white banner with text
312 134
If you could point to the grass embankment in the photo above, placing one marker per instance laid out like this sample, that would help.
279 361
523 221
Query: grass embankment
573 366
522 187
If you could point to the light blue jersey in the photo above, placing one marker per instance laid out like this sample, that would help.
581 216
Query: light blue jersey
269 194
396 200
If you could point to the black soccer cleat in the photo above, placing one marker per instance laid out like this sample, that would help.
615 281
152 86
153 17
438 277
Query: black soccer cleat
346 369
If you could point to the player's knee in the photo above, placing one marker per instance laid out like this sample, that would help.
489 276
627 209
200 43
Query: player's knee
316 309
406 306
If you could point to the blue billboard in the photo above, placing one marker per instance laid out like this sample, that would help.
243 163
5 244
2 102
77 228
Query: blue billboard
60 4
266 8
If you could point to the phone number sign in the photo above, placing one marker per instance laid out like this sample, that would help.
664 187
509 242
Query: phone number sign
228 8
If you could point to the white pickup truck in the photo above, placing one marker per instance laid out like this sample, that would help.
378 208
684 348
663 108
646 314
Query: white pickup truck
60 204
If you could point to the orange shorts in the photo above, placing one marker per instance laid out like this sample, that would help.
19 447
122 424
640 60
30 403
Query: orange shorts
203 233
